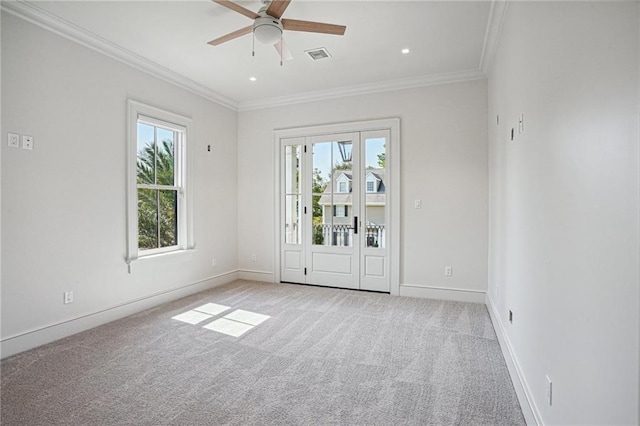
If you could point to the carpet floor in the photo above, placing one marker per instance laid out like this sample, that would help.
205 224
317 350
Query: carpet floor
252 353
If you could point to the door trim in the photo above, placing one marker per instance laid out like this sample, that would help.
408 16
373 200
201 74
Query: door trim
393 166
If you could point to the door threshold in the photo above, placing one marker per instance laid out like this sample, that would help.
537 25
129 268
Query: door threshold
338 288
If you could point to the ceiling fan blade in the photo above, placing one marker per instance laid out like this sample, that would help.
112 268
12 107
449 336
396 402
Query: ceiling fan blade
237 8
277 8
283 50
231 36
312 27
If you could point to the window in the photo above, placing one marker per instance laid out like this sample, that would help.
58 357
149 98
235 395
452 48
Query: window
370 186
340 211
158 209
342 186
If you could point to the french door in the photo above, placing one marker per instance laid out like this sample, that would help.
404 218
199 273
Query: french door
334 206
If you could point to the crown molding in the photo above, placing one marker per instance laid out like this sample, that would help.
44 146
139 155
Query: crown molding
64 28
44 19
497 15
364 89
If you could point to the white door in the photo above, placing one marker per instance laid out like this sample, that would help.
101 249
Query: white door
334 207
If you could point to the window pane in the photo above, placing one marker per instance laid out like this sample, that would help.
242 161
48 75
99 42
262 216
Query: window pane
321 198
292 219
292 169
321 166
165 161
342 235
147 219
321 214
168 217
375 197
376 157
146 163
342 165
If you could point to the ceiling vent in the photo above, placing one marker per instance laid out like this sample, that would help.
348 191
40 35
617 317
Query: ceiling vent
319 53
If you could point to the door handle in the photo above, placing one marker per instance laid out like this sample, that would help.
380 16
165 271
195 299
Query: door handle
355 224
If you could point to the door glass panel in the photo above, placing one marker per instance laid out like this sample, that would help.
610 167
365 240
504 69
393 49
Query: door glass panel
342 209
374 186
292 197
292 169
322 201
332 194
292 231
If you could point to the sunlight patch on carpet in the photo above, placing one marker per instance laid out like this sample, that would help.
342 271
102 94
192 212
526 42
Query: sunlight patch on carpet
229 327
247 317
192 317
212 309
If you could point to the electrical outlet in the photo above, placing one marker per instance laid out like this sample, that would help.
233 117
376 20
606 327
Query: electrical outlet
27 142
417 204
254 258
13 140
549 390
448 271
68 297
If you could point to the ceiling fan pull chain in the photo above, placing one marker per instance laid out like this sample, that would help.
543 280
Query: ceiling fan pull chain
281 48
253 43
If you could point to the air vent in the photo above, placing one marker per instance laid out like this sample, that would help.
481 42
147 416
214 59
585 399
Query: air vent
319 53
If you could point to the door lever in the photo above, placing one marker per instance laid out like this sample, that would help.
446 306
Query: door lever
355 224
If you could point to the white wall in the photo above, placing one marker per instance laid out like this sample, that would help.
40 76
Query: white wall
564 237
443 163
63 204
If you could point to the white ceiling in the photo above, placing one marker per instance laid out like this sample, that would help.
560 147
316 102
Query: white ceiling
444 37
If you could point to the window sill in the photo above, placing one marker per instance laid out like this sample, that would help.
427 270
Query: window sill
174 256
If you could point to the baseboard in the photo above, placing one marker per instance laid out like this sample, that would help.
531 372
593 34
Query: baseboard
527 404
251 275
34 338
454 294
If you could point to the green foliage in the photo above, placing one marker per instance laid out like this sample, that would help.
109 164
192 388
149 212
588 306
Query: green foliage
319 185
318 237
157 208
382 159
342 166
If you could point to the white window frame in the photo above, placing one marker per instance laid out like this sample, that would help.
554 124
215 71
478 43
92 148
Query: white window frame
139 112
373 185
340 184
341 210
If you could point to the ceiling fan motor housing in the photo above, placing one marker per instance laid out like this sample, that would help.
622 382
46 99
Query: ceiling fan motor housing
267 29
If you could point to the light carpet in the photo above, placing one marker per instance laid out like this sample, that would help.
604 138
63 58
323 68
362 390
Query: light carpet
307 356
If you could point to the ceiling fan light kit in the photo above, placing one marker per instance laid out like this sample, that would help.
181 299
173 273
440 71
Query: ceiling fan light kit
268 28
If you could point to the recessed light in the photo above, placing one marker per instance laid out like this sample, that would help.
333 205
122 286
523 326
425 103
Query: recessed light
405 51
252 79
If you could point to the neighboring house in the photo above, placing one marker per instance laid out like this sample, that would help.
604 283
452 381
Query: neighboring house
337 213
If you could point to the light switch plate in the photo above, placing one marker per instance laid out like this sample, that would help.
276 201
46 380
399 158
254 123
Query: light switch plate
27 142
13 140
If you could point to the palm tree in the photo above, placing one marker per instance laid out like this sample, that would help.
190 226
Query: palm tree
157 208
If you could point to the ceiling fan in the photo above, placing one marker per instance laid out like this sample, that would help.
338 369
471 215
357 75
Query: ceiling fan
268 26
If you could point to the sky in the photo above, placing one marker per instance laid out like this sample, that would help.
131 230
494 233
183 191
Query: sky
323 155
